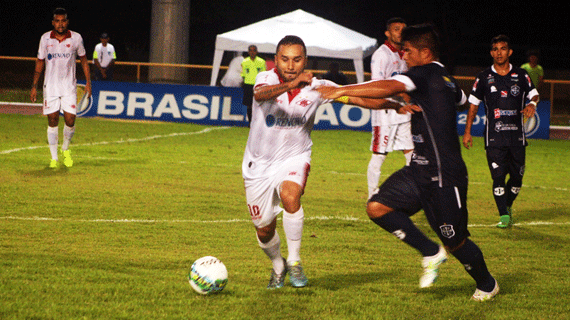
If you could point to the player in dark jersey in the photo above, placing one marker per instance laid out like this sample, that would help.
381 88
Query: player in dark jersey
436 179
504 90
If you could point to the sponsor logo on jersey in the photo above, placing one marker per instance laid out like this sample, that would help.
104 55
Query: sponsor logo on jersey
500 126
504 94
508 113
57 55
515 90
285 122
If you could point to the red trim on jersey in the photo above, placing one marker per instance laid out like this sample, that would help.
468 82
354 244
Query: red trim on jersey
291 94
67 35
389 45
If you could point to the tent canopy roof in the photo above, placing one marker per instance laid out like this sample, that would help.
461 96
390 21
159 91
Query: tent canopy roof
323 38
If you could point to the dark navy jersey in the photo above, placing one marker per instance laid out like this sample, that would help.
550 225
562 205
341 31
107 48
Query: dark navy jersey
504 98
437 151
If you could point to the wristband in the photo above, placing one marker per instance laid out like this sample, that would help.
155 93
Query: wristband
533 103
343 99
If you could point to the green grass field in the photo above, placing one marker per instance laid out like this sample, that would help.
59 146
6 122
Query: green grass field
114 236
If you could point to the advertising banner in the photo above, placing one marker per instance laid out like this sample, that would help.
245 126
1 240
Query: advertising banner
223 106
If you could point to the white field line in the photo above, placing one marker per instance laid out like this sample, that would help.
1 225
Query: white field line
178 134
477 183
319 218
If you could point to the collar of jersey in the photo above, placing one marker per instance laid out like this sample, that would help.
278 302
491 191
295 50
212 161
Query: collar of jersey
391 47
291 94
67 35
495 71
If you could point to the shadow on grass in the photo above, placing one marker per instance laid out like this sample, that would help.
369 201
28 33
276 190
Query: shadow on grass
345 280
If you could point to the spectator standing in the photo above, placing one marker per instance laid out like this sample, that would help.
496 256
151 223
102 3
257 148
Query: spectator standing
534 70
250 67
104 57
335 75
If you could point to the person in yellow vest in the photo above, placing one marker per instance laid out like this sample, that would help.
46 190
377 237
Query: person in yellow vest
534 70
250 67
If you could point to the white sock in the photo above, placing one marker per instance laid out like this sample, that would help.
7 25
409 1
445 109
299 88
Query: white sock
373 172
408 157
293 226
67 135
273 251
53 139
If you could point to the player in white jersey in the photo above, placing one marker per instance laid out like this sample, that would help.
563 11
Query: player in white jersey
57 52
390 130
277 157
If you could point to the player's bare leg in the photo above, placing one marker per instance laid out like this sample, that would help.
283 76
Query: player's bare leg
293 218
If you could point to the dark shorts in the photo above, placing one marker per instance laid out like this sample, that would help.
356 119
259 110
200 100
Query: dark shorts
506 160
446 211
399 192
445 207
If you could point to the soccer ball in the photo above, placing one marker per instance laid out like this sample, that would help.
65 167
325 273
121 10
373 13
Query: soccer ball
208 275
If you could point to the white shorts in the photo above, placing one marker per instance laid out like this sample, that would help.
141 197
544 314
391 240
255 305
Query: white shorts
263 194
393 137
65 103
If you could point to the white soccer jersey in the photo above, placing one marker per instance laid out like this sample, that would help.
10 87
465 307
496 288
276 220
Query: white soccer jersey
60 63
105 54
280 128
386 63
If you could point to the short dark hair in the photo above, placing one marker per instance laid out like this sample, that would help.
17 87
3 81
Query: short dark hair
290 40
394 20
60 11
422 36
533 52
501 38
252 46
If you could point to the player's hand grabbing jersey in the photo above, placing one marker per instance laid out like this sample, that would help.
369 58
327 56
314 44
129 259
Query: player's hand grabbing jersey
281 128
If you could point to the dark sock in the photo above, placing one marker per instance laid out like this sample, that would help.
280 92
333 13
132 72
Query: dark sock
400 225
512 190
500 195
472 259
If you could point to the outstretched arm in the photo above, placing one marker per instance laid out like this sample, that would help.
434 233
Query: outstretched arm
369 103
372 89
271 92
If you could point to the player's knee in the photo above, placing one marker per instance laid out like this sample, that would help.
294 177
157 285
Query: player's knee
265 234
291 197
376 209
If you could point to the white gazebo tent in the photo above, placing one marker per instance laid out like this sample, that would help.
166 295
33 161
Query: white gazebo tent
323 38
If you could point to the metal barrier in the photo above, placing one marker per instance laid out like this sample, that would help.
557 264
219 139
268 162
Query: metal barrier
14 75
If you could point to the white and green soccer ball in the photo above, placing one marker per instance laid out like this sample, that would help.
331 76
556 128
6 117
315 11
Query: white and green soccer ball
208 275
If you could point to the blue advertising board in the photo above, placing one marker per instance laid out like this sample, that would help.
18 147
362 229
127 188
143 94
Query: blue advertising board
222 106
197 104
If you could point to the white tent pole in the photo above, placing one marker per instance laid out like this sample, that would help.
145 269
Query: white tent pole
219 53
359 68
